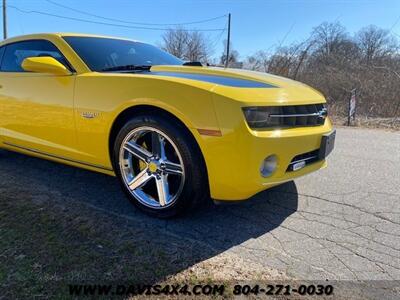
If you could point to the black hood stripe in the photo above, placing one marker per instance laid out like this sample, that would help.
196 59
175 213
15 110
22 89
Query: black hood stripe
222 80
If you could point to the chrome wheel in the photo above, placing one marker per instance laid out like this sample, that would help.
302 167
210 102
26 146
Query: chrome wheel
151 167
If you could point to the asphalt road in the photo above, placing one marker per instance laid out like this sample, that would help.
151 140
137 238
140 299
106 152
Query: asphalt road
339 223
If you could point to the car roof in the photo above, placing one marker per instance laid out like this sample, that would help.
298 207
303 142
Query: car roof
56 34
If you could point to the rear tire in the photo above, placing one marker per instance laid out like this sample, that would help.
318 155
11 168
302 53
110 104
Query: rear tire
160 166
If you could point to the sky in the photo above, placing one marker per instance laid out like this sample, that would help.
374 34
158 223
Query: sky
256 24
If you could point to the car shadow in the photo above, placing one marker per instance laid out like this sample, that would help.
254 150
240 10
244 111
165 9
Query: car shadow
211 230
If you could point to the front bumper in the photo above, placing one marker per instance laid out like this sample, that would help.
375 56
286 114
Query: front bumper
234 160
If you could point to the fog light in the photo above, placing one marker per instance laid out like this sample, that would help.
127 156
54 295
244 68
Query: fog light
269 165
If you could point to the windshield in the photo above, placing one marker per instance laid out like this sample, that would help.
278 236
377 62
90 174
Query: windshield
105 53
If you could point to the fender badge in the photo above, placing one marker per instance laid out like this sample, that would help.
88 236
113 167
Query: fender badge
89 115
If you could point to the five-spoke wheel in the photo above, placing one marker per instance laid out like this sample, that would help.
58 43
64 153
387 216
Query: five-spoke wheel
159 165
152 167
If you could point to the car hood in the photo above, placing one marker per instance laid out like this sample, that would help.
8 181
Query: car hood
241 85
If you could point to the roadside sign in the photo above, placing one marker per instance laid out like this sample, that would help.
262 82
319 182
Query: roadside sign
352 108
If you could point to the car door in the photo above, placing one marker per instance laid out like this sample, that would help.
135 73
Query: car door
36 109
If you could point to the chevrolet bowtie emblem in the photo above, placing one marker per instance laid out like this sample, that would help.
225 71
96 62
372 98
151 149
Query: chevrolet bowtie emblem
323 113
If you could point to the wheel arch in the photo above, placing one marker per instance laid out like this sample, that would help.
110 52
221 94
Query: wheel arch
127 113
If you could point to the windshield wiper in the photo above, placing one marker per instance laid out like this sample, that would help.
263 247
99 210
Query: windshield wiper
128 68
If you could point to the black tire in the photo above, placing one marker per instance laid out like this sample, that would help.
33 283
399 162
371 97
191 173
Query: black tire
195 187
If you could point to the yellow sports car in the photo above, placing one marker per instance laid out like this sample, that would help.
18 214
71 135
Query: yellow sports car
175 133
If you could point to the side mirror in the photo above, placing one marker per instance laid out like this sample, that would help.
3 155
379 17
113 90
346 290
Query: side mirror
44 64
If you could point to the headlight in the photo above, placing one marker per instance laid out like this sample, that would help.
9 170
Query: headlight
259 117
285 116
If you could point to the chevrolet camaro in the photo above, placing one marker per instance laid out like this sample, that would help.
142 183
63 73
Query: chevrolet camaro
175 133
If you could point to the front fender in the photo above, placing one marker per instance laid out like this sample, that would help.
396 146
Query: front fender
105 97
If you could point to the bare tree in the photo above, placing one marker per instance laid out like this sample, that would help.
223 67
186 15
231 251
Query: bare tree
328 39
233 55
175 41
375 43
197 47
259 61
187 45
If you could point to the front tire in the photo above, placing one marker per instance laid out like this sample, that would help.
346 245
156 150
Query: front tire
159 166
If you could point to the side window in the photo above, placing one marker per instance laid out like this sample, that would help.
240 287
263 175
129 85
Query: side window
15 53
